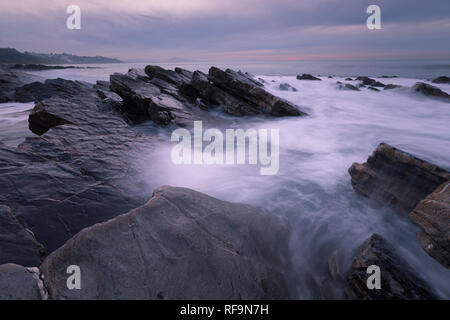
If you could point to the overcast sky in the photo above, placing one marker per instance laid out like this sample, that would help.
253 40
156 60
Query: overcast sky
156 30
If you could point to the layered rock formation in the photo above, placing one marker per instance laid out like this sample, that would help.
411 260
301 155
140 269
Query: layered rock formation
395 178
166 96
433 216
398 279
70 177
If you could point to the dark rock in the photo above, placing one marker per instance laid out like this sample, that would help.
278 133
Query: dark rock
249 77
347 86
433 216
370 82
398 278
330 77
37 91
18 283
442 79
240 87
136 94
388 77
215 96
430 90
395 178
180 245
373 89
307 76
392 86
77 174
157 100
186 73
17 243
166 75
348 79
287 87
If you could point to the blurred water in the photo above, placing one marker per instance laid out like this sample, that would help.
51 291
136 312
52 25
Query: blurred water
312 190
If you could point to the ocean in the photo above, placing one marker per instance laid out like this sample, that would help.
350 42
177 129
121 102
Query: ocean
312 189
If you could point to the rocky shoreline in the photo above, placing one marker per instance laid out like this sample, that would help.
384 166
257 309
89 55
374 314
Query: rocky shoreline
65 197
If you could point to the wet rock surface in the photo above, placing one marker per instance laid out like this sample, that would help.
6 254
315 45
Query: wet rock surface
432 91
16 242
17 283
395 178
398 278
182 244
37 91
433 216
75 174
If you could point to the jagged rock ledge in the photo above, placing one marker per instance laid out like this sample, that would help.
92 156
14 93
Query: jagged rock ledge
395 178
398 279
433 216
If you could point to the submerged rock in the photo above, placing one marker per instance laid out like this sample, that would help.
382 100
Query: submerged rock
398 278
18 283
433 216
307 76
442 79
370 82
430 90
395 178
182 244
346 86
392 86
287 87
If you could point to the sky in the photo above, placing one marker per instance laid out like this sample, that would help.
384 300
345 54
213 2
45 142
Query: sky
230 30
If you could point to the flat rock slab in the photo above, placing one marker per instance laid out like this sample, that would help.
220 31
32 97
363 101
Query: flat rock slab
16 242
395 178
18 283
433 216
182 244
398 279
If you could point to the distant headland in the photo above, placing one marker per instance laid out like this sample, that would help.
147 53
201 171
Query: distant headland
11 55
